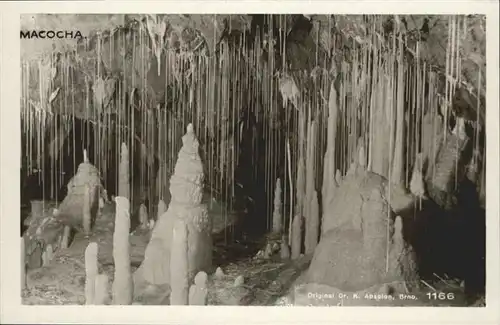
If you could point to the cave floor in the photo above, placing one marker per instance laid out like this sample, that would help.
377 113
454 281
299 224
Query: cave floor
266 281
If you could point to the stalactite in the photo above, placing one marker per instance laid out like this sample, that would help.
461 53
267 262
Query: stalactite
124 178
398 157
310 221
296 236
329 165
143 216
301 177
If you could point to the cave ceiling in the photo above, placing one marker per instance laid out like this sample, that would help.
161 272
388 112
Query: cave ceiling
305 35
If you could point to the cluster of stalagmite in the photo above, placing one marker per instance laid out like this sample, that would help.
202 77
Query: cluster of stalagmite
97 285
123 284
163 254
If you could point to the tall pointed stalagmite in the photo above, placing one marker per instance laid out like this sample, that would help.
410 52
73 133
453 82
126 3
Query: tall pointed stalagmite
186 189
91 272
122 283
277 215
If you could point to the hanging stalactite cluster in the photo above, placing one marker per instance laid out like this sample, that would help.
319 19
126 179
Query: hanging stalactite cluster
255 111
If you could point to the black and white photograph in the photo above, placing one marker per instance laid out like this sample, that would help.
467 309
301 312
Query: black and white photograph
253 160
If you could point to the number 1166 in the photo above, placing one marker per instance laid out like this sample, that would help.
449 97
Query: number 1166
440 296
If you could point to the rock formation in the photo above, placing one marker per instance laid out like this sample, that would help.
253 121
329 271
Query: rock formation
70 211
186 189
361 248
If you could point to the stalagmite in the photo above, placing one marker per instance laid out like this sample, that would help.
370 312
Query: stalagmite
417 181
65 237
23 264
277 215
143 216
398 231
239 281
268 252
186 188
122 283
123 176
198 292
338 177
179 281
101 289
219 273
296 236
312 227
47 255
284 249
87 217
162 208
91 271
361 155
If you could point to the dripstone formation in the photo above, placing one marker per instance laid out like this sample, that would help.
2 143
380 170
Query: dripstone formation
71 210
186 189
